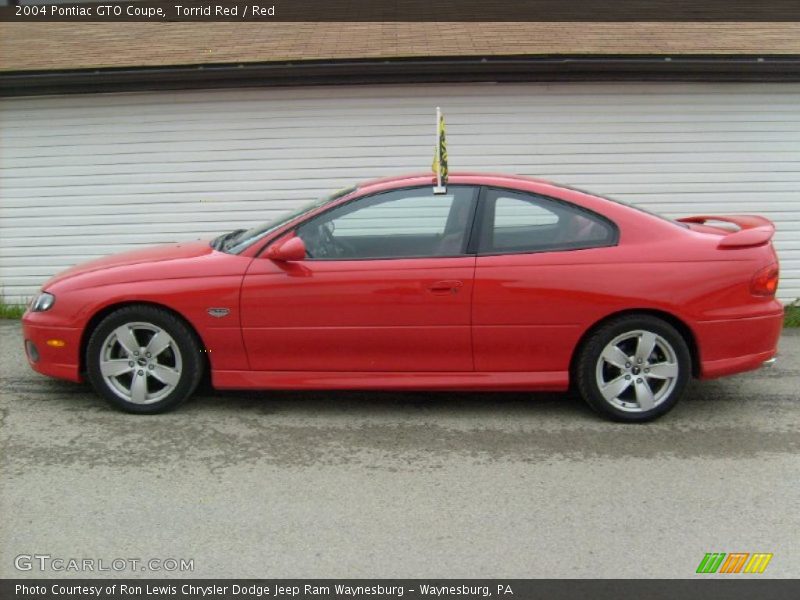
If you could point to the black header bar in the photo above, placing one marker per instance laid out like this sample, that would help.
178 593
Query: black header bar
409 11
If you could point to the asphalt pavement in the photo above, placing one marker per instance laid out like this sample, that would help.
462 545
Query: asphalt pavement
289 484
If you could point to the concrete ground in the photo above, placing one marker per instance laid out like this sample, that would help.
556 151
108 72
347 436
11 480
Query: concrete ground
400 485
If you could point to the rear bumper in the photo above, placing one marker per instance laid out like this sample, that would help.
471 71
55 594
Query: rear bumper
736 345
62 362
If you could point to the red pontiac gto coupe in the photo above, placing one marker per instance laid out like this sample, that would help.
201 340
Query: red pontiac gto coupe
500 283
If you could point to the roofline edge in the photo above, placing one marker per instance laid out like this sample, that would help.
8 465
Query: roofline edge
685 68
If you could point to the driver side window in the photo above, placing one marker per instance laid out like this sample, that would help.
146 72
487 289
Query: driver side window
404 223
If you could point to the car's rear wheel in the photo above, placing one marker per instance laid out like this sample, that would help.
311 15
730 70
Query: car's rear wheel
143 359
634 368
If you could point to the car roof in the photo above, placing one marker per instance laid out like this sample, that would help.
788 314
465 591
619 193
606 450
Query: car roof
474 177
604 206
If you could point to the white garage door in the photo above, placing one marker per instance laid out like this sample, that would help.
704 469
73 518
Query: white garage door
87 175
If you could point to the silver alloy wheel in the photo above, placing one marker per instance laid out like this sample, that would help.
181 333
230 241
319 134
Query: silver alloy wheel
637 371
140 362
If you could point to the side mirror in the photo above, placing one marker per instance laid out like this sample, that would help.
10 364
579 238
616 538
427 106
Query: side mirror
287 250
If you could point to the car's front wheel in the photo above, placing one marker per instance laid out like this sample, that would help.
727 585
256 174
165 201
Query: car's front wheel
634 368
143 359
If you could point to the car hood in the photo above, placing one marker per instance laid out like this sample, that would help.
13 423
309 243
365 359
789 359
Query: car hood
152 254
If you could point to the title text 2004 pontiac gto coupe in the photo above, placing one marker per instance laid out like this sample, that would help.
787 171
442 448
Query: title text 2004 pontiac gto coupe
501 283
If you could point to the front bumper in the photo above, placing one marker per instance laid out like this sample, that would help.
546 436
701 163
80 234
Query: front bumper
61 361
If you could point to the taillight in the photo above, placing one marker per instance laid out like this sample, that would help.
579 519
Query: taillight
765 281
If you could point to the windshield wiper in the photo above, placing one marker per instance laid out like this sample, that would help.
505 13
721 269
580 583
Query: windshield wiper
217 241
222 242
229 239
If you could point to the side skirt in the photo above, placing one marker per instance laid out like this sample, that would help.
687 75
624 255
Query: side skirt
556 381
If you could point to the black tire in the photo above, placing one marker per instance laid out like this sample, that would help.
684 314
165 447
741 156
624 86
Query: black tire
184 353
588 369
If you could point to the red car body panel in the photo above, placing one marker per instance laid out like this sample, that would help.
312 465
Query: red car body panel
370 315
510 321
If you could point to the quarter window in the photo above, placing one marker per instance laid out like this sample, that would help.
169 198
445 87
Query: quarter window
516 222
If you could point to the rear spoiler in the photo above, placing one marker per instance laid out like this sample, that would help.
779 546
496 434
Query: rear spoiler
753 230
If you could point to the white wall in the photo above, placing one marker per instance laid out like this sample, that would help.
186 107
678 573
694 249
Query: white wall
87 175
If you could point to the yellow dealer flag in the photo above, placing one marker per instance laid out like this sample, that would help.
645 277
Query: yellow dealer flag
440 152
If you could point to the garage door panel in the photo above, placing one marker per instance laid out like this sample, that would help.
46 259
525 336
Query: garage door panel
186 164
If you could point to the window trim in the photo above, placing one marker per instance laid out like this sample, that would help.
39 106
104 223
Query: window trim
468 228
483 217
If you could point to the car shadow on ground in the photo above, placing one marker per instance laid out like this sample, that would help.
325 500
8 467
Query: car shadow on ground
363 404
411 430
80 396
378 402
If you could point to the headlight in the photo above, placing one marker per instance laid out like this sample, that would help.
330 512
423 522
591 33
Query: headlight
43 302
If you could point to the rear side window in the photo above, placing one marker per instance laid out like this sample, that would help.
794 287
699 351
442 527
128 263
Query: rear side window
517 222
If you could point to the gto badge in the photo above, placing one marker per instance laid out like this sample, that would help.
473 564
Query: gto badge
219 312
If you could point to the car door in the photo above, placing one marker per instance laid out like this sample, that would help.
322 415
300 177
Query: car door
537 260
385 287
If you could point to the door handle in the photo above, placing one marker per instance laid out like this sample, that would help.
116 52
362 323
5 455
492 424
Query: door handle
448 286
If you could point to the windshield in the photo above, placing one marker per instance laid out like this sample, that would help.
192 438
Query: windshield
241 239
